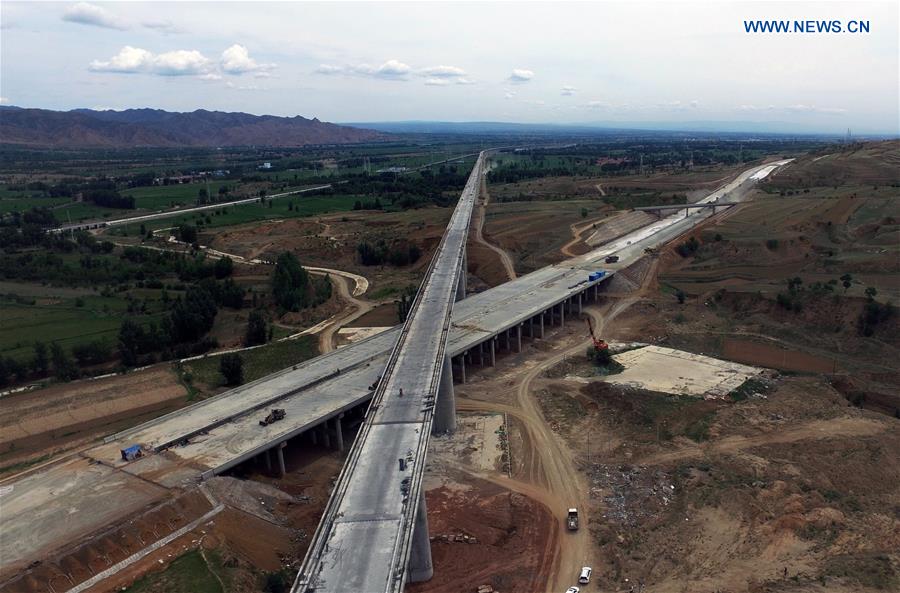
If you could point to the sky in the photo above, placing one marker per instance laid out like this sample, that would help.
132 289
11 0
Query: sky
530 62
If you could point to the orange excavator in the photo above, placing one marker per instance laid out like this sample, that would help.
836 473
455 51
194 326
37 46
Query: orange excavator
598 343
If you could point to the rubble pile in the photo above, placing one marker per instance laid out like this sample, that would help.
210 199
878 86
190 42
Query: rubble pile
631 494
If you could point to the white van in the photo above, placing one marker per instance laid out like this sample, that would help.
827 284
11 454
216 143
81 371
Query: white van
585 577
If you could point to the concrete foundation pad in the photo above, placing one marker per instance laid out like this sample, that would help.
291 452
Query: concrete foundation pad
682 373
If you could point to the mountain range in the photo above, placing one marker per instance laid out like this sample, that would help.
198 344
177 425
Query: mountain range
86 128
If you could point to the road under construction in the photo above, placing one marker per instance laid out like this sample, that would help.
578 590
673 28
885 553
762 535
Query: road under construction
321 397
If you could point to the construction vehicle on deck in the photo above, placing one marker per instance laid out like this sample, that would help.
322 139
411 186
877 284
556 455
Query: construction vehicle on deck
611 259
274 416
572 520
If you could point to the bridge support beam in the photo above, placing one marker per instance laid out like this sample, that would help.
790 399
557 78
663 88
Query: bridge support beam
268 461
325 436
493 351
542 325
562 314
419 567
279 453
579 303
445 406
519 337
339 433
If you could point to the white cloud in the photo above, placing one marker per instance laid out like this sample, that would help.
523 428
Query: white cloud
212 76
328 69
442 72
166 27
695 103
4 101
391 70
90 14
596 105
437 82
568 91
520 75
464 81
508 94
236 60
134 60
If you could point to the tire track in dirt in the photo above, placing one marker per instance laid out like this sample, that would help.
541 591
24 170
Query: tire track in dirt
548 473
814 430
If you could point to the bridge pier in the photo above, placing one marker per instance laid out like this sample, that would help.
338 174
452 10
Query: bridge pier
339 433
493 351
519 337
268 462
542 325
445 406
312 436
325 436
419 566
462 367
579 303
562 314
279 453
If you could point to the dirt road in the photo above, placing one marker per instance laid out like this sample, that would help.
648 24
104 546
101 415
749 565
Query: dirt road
578 231
359 308
478 235
548 473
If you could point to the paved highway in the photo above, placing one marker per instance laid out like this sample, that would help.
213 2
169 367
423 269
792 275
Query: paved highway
364 540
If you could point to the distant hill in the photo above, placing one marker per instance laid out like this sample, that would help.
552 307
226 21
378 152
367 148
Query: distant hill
85 128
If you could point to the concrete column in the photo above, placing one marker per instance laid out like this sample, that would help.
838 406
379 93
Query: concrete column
313 435
519 337
279 452
579 303
493 354
462 367
562 315
542 325
531 327
325 436
339 433
445 406
268 461
419 567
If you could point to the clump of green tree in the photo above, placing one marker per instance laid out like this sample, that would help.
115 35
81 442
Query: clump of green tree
792 299
292 286
404 303
873 313
398 254
231 366
257 329
688 248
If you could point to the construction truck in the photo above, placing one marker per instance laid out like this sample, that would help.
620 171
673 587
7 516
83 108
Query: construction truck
274 416
572 520
611 259
131 453
598 343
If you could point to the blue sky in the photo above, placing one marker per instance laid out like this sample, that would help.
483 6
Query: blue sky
509 61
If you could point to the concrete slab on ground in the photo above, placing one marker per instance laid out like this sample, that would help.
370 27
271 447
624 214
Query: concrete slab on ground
65 502
682 373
